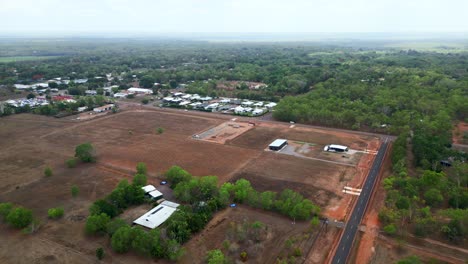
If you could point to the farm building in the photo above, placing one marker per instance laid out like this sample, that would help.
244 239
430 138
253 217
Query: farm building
157 216
103 108
335 148
148 188
278 144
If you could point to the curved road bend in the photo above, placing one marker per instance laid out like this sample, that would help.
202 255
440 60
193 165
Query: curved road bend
346 242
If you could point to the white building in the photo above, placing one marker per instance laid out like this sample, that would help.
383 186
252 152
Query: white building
103 108
157 216
258 111
335 148
270 105
139 90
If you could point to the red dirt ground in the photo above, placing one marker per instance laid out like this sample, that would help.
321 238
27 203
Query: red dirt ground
459 130
125 138
279 229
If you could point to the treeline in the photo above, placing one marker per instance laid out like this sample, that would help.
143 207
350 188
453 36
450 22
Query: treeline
191 189
428 203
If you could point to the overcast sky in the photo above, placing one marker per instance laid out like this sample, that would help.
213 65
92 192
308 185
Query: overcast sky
158 16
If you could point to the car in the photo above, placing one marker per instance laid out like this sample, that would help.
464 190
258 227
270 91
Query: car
163 182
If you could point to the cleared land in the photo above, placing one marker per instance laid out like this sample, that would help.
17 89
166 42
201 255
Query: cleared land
33 142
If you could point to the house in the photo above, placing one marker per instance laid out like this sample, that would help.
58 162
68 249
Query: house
259 104
212 106
157 216
120 95
278 144
247 103
82 109
257 111
80 81
139 90
90 92
103 108
22 86
239 110
148 188
184 103
270 105
335 148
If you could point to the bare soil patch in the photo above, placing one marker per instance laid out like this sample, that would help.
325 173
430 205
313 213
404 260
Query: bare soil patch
224 132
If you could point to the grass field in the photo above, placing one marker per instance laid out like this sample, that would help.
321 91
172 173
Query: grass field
26 58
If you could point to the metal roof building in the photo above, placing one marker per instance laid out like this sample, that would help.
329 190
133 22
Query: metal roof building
278 144
157 216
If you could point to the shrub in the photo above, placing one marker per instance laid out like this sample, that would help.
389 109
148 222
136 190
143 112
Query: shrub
100 253
5 209
160 130
71 163
145 101
215 256
55 213
75 190
47 171
19 217
390 229
141 168
85 152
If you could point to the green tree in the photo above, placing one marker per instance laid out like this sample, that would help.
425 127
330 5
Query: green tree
173 250
122 239
85 152
141 242
433 197
160 130
103 206
47 171
55 213
19 217
176 174
97 223
114 225
139 180
141 168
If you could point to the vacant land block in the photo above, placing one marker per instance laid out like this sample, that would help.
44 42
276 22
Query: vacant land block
121 140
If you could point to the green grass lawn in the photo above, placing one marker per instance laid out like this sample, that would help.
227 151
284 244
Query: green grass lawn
25 58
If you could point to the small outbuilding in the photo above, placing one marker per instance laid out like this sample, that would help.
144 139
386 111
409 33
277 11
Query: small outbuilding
278 144
335 148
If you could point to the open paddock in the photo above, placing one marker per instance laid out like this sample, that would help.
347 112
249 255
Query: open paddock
317 180
273 246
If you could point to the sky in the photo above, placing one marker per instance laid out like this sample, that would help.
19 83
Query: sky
242 16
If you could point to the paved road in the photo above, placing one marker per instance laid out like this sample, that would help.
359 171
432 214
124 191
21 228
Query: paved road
346 242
